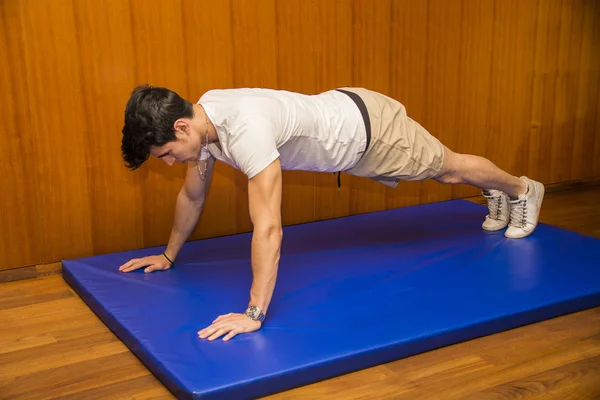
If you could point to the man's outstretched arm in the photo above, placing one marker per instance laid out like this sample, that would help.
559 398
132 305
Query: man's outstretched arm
188 208
264 196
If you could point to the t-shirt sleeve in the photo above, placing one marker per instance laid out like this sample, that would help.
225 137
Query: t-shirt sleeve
253 145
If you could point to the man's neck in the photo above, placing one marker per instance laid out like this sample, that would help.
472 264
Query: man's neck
199 124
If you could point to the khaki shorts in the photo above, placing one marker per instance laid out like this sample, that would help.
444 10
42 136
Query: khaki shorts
400 148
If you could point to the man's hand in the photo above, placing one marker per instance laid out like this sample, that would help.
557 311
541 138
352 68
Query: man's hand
153 263
230 324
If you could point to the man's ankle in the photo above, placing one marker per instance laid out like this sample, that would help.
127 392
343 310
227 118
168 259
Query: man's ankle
523 190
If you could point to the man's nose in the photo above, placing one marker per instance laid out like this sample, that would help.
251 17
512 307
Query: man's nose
169 160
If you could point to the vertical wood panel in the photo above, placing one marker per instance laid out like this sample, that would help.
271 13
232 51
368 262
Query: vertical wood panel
474 81
586 115
543 91
596 165
209 63
315 55
254 27
299 59
441 85
58 124
254 24
408 62
333 29
159 60
106 51
569 57
371 69
596 52
19 204
324 31
512 77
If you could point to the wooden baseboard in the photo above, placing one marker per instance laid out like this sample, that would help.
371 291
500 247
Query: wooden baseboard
32 271
553 187
37 271
570 185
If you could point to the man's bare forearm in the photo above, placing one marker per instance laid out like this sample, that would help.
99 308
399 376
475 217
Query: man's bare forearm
187 212
266 247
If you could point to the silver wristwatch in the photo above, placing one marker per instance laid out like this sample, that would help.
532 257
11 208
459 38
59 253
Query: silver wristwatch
255 313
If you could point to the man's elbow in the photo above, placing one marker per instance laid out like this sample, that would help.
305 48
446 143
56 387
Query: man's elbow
197 200
271 231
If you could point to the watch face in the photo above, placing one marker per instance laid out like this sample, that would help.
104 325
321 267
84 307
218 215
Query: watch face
253 312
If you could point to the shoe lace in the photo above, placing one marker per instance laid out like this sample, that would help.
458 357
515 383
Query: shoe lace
518 213
495 207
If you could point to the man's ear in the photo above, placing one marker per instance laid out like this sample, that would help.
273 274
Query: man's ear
182 127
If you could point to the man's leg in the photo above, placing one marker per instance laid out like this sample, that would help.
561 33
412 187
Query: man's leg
498 186
479 172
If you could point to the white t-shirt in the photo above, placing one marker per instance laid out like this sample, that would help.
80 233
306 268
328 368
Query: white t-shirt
323 132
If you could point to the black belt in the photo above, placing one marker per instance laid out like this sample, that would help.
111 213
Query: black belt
365 115
363 110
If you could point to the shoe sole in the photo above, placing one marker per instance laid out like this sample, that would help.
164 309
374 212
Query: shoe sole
542 192
494 229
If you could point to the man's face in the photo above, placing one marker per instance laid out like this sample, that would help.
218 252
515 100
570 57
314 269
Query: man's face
180 150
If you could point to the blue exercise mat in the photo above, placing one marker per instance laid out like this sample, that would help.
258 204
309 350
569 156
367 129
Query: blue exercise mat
352 292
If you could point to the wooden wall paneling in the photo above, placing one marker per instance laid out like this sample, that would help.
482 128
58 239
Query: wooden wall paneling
58 123
596 40
595 165
543 89
586 115
372 30
507 140
408 77
70 67
335 25
333 41
209 46
472 110
19 200
441 86
326 32
254 34
299 51
569 58
158 41
372 33
298 61
209 62
255 49
315 55
106 56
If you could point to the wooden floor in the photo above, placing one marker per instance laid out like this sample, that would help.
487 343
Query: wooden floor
53 346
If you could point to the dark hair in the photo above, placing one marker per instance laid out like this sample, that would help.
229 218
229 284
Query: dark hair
149 117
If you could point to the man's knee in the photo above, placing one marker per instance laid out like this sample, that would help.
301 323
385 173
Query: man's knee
449 177
451 169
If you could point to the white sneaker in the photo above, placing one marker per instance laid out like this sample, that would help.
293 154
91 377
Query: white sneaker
525 210
499 210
